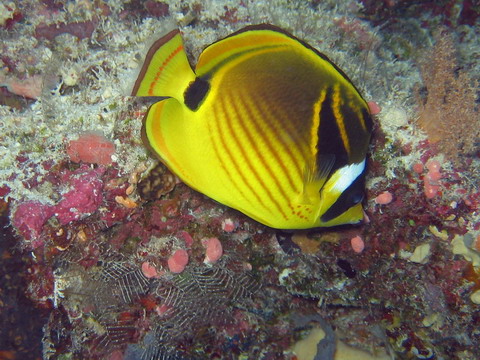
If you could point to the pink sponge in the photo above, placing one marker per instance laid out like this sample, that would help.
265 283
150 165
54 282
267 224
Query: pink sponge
91 148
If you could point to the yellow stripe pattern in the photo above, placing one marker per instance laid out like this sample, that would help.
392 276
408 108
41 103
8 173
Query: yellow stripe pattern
252 144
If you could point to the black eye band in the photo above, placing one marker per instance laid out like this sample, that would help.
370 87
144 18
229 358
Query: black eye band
350 197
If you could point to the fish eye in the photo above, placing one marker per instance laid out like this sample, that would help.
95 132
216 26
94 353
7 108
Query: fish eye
356 197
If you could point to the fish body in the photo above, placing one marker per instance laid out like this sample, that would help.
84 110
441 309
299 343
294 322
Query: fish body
265 124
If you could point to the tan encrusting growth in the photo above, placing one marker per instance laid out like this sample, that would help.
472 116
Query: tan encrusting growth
449 114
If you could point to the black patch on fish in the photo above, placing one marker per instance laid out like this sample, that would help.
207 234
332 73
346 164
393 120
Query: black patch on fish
350 197
196 93
356 132
329 139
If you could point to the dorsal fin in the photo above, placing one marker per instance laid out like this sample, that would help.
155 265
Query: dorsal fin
166 70
251 38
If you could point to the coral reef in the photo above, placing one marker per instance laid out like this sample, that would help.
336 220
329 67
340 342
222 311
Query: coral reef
122 261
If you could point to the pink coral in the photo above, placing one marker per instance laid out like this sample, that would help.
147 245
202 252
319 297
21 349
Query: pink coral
178 261
228 225
384 198
430 190
91 148
357 244
30 87
374 108
186 237
431 184
149 270
214 250
434 165
418 167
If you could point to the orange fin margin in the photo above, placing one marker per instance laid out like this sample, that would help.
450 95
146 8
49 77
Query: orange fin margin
166 70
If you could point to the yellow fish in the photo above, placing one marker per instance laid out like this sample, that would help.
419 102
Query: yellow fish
265 124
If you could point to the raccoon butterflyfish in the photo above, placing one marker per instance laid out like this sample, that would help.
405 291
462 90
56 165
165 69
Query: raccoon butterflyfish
265 124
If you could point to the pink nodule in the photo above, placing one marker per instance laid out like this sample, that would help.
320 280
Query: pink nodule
149 270
366 218
214 250
178 261
433 177
384 198
228 225
91 148
357 244
433 165
374 108
186 237
418 167
430 190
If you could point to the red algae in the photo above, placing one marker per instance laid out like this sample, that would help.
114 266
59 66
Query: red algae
85 197
29 218
81 29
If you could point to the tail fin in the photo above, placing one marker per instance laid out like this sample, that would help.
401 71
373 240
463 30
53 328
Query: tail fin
166 70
